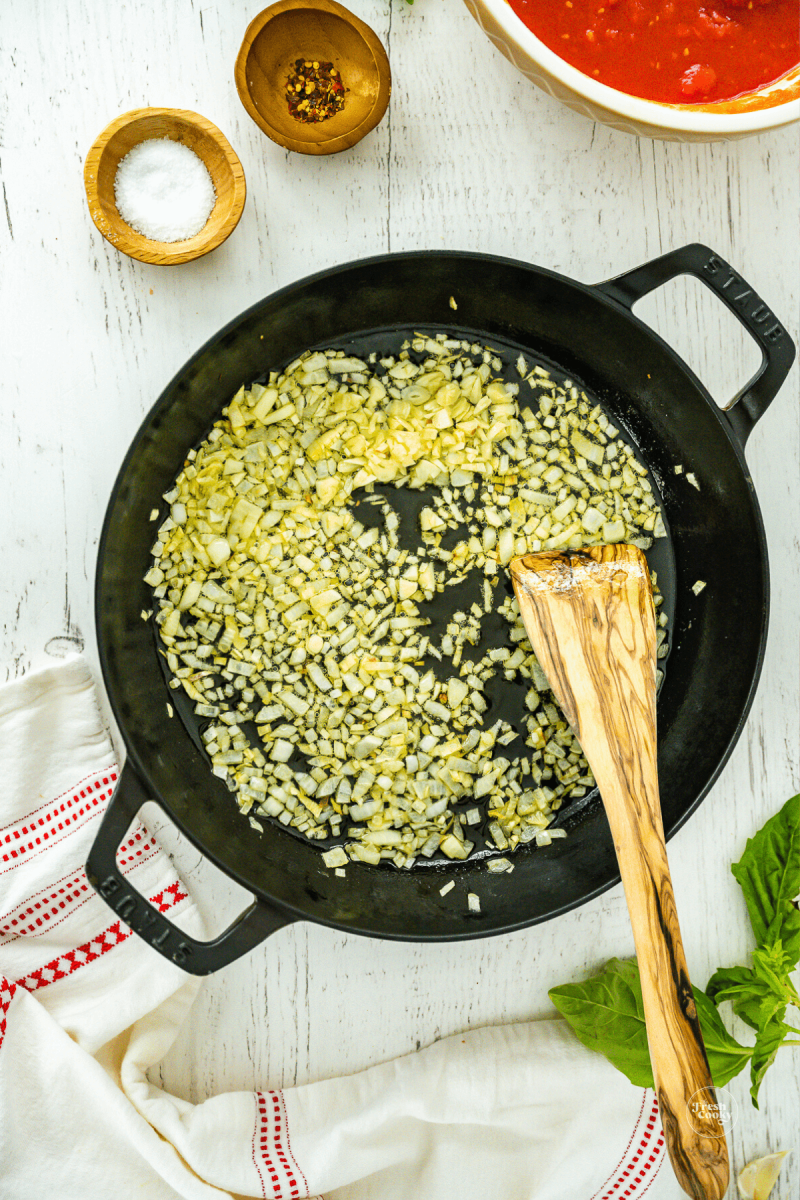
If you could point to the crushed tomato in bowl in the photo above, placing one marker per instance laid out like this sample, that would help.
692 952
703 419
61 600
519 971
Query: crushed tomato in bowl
671 51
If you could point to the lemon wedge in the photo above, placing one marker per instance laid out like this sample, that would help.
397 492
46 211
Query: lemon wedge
757 1179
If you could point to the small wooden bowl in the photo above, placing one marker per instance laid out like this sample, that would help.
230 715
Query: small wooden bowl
320 30
208 144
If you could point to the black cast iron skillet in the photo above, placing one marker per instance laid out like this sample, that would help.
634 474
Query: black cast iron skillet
716 533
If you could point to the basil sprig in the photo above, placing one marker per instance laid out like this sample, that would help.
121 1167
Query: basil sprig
769 875
607 1014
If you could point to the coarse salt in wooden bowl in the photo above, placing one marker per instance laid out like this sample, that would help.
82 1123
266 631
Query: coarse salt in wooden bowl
207 142
318 31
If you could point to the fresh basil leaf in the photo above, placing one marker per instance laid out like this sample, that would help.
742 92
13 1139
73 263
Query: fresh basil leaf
607 1014
726 1057
738 985
771 965
768 1041
769 875
755 993
771 991
727 982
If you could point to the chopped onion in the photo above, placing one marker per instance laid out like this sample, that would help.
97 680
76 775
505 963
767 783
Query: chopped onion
335 858
278 607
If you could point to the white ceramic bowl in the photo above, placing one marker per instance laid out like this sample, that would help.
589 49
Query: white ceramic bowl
770 107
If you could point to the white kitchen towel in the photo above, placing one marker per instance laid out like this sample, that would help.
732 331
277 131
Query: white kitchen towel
519 1112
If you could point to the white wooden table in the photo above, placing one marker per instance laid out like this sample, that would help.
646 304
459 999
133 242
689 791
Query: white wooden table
470 156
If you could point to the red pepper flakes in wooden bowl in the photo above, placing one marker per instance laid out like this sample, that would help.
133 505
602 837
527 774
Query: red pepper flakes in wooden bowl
315 91
344 53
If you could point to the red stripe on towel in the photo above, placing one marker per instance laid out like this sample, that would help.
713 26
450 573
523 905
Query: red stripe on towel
72 891
75 787
277 1134
268 1143
7 990
256 1139
618 1167
289 1142
28 838
96 947
44 906
641 1161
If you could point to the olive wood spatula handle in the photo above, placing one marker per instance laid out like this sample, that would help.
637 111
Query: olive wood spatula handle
590 619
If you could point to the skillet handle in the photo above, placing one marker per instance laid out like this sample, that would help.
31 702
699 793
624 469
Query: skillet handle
198 958
777 348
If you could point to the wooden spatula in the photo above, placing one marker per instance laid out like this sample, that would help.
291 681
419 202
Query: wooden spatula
590 618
